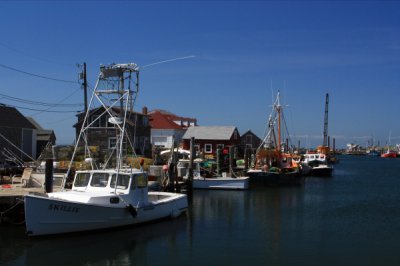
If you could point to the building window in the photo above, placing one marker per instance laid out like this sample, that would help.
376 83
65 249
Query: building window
145 121
208 148
197 148
249 139
95 120
112 142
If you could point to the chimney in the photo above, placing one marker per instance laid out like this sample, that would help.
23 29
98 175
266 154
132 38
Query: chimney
144 110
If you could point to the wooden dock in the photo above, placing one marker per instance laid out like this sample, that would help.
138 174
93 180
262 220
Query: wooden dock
12 202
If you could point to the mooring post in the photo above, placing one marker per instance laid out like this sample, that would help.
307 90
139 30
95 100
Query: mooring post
177 185
190 174
246 159
49 176
218 162
231 155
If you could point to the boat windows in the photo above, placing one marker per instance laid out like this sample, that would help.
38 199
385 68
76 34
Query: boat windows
122 181
81 179
99 180
141 181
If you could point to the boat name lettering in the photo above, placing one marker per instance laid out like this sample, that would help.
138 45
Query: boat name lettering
63 208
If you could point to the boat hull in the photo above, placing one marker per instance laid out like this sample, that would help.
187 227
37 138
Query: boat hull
269 178
46 216
239 183
323 171
389 155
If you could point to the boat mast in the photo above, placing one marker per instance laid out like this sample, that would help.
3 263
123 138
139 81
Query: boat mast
278 109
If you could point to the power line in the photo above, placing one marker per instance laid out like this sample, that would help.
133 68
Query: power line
46 110
62 100
32 56
61 120
11 98
38 76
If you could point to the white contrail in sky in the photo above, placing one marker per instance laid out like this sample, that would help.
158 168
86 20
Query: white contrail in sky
170 60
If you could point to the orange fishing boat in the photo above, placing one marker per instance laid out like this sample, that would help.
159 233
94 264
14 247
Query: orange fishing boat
274 164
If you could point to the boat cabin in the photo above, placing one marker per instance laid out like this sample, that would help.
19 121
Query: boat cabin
133 184
314 157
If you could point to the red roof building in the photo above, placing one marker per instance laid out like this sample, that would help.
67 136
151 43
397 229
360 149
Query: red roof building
167 127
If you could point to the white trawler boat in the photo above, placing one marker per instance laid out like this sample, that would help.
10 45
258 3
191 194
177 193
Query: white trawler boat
109 197
316 164
228 181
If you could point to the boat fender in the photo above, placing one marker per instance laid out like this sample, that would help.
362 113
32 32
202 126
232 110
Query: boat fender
132 210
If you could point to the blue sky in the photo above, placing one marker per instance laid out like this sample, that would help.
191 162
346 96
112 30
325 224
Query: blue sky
243 52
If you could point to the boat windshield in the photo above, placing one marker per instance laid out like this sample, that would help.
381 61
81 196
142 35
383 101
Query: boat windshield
81 179
99 180
122 183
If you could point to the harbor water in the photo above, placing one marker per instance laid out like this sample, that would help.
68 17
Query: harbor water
352 218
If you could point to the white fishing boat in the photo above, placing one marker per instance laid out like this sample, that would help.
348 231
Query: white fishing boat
316 164
109 197
229 181
95 202
222 182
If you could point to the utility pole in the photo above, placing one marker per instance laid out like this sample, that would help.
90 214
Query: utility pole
82 76
85 86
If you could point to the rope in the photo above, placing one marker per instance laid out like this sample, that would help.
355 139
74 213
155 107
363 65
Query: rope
12 207
2 214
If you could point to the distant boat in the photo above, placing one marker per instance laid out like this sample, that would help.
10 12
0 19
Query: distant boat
373 153
389 154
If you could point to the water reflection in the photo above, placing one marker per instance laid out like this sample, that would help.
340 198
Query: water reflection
257 218
352 218
127 246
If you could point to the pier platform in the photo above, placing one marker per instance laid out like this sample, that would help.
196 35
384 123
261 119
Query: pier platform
12 202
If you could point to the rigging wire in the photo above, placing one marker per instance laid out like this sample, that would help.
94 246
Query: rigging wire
36 75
